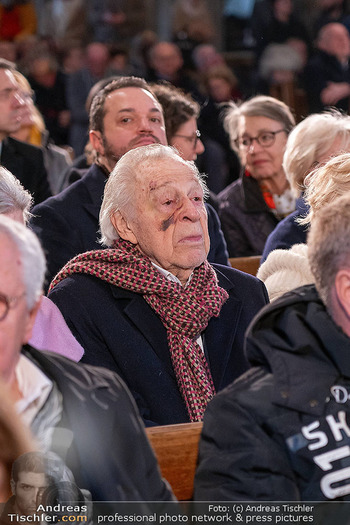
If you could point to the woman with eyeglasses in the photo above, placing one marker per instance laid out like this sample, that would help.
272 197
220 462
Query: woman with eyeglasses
252 206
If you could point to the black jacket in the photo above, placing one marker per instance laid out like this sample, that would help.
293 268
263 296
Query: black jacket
108 451
26 162
321 69
120 331
282 431
246 220
287 232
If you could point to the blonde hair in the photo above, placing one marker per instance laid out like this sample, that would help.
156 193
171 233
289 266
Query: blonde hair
325 184
310 140
329 245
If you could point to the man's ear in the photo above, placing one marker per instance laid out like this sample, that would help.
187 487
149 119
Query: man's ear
96 141
342 288
123 227
30 321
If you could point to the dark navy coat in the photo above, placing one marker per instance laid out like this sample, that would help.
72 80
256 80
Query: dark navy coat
120 331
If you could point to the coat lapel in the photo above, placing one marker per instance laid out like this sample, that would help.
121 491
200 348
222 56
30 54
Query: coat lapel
220 333
148 323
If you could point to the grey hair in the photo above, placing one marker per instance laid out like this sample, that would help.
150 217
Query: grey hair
13 196
121 185
259 106
309 140
31 254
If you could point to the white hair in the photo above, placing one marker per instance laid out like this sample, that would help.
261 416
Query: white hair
121 186
13 196
31 254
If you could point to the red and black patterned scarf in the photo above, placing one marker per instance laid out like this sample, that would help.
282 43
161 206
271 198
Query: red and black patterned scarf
185 312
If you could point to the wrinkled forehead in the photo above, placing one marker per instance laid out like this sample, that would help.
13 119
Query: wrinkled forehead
154 177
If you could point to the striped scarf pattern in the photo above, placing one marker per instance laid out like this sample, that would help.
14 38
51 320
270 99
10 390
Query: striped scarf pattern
185 312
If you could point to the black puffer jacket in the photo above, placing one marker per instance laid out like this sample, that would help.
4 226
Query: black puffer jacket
282 431
246 220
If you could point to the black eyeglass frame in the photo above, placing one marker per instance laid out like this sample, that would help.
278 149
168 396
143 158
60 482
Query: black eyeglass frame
250 140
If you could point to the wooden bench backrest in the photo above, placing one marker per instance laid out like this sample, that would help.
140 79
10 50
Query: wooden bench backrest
246 264
176 448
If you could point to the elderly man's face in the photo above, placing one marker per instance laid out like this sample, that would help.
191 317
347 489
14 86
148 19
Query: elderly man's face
133 117
15 328
170 223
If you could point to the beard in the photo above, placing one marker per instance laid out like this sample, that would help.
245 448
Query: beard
113 154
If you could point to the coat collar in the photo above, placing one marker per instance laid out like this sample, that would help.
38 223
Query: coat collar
94 181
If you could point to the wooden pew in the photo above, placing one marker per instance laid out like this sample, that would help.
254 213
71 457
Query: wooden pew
246 264
176 448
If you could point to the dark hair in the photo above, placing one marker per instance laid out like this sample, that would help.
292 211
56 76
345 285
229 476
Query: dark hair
97 109
178 107
30 462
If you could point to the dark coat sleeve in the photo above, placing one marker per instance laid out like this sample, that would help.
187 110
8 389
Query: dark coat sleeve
238 459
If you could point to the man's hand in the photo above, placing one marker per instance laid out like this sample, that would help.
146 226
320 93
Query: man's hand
334 92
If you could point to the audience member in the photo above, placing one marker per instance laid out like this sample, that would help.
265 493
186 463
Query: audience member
322 186
280 432
33 131
114 22
327 75
310 144
274 21
182 320
72 409
180 117
279 64
206 56
23 160
49 85
221 88
167 64
50 331
123 116
251 207
78 87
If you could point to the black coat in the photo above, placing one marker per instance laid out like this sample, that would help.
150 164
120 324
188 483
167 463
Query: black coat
108 452
288 231
119 330
282 431
26 162
246 220
67 224
321 69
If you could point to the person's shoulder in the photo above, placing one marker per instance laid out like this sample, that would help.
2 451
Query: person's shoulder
230 190
23 148
64 370
72 195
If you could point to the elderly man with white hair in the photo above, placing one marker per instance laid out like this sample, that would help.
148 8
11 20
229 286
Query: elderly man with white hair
151 307
72 409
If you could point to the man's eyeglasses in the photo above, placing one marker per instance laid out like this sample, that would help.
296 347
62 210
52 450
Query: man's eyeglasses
191 138
265 139
6 303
